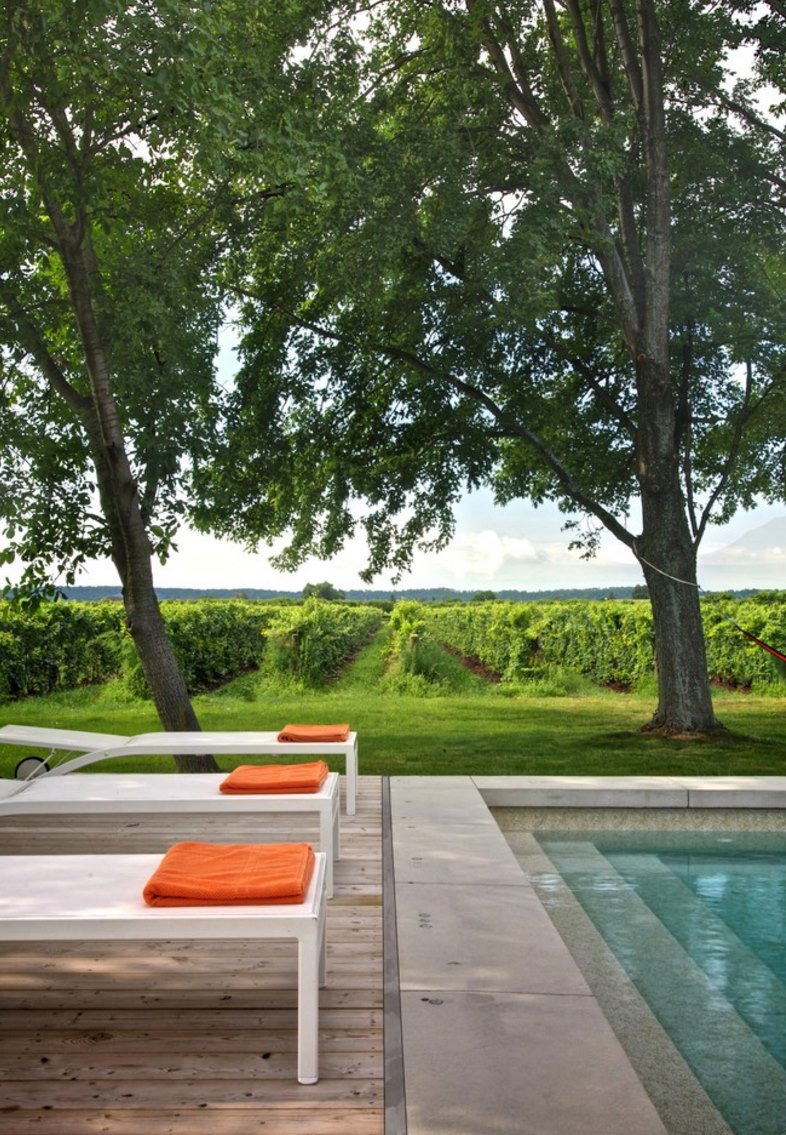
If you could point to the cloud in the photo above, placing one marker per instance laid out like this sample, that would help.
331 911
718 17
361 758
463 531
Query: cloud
488 558
487 553
733 555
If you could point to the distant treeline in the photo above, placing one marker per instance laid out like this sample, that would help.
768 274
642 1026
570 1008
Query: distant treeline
420 594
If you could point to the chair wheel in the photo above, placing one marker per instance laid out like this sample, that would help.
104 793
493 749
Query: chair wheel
27 767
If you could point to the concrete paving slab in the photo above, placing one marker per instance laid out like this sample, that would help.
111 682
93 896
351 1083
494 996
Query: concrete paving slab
481 938
451 801
582 791
444 833
429 783
517 1064
735 791
435 853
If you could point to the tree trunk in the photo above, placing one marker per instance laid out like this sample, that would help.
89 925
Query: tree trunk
684 699
119 494
148 631
132 555
668 559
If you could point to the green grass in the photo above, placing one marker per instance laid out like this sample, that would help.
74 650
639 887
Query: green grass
480 729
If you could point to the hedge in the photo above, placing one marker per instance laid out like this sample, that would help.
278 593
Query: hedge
213 640
609 641
58 646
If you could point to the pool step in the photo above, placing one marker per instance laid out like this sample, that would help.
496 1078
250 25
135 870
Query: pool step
732 967
745 1082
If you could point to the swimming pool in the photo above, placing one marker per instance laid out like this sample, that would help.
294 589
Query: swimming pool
696 923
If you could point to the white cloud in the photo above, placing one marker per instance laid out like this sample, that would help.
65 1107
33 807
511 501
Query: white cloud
487 553
732 555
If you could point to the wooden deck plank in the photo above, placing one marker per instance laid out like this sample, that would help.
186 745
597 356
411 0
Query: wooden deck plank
77 1000
89 1021
119 1038
270 1061
228 1121
194 1039
197 1094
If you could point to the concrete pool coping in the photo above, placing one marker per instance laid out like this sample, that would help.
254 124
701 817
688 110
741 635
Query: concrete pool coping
497 1029
633 792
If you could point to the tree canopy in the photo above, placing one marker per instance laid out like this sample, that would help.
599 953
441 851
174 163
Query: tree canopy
531 244
323 590
551 262
140 144
132 142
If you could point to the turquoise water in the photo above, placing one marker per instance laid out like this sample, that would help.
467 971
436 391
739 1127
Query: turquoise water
699 924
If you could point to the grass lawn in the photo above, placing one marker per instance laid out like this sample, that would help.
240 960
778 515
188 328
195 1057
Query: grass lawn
480 729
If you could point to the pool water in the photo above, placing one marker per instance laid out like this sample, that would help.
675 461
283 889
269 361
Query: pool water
698 922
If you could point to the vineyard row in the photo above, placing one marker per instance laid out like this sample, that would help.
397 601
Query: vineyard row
64 645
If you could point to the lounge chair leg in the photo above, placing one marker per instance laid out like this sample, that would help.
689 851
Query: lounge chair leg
327 840
310 969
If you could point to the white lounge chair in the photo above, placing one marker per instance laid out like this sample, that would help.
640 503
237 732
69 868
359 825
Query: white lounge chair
121 793
99 897
101 746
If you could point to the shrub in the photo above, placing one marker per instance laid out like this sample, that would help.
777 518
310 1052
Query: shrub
59 645
310 642
213 640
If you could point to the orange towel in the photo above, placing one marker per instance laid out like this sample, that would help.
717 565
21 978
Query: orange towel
214 874
275 778
314 733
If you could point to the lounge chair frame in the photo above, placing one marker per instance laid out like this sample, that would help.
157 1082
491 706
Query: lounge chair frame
120 793
99 897
102 746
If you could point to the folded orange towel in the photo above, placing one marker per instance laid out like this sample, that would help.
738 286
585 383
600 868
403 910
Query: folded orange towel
314 733
214 874
307 777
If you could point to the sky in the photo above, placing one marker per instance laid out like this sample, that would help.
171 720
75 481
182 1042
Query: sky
517 547
495 548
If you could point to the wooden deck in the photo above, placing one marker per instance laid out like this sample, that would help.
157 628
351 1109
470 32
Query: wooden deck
193 1038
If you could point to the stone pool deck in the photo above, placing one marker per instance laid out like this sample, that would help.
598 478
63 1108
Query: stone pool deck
490 1026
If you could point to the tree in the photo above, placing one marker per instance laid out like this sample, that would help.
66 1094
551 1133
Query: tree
137 146
552 264
322 591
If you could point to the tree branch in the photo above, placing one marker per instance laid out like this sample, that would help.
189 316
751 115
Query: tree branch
683 422
33 342
616 260
658 254
603 395
611 404
589 60
628 49
510 429
734 448
745 113
563 61
518 90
